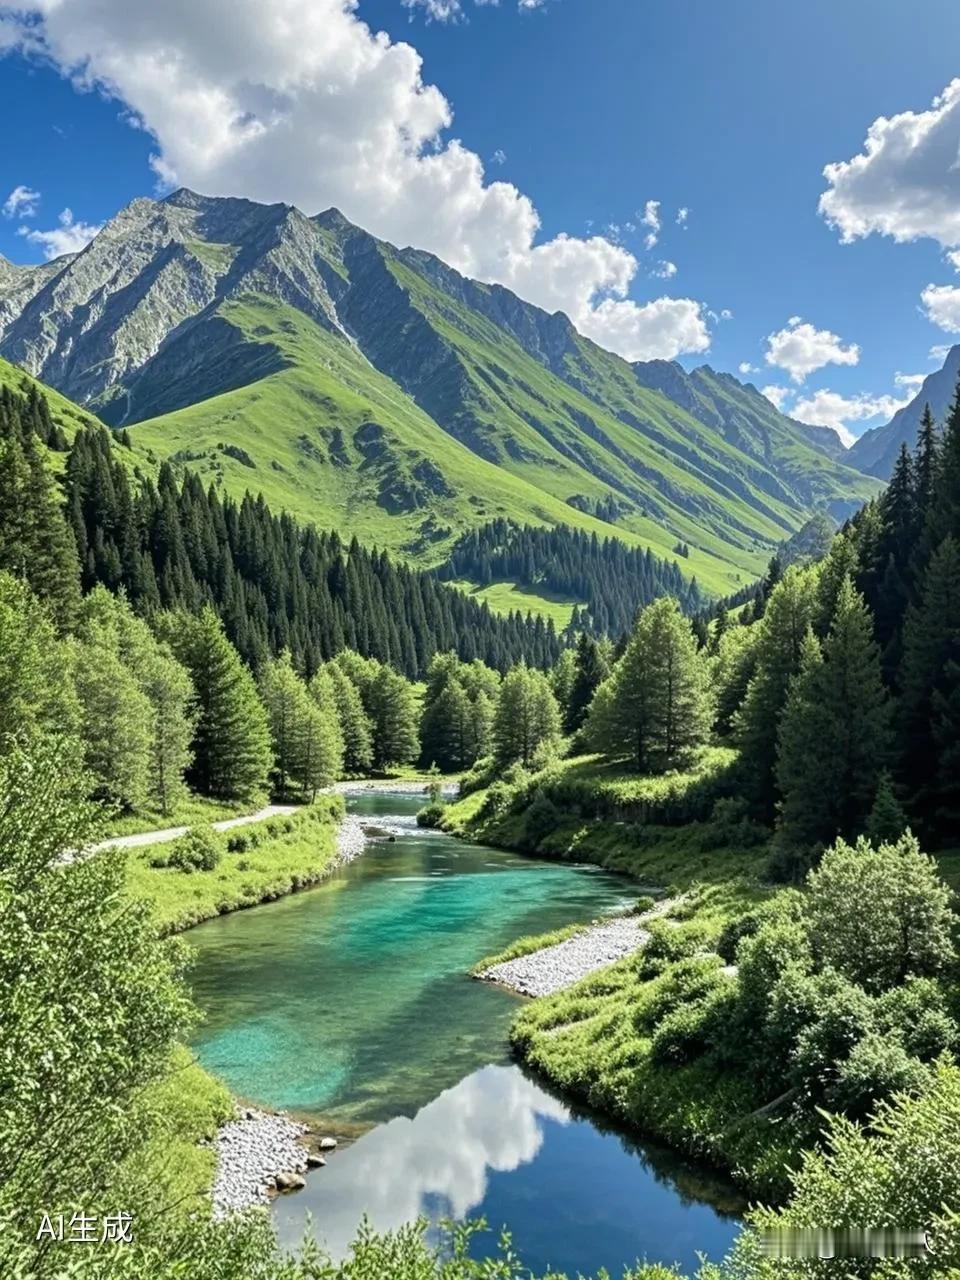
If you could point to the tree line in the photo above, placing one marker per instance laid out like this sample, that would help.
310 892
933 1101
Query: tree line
612 579
276 584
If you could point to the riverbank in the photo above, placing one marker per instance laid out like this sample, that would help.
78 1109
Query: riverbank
261 858
592 1036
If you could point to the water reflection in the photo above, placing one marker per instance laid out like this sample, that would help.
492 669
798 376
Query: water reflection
498 1145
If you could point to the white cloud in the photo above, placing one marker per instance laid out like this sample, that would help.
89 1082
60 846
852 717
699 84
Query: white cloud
22 202
299 101
800 349
953 257
830 409
657 330
664 270
499 156
682 217
452 10
726 314
746 367
778 396
651 218
940 352
906 181
941 302
913 380
69 237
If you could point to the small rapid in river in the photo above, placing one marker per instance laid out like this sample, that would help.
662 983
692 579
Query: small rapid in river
352 1006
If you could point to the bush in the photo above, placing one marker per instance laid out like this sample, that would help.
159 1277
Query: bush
690 1030
238 843
198 849
642 905
431 814
666 945
916 1014
731 825
542 819
877 1067
844 1017
734 931
687 982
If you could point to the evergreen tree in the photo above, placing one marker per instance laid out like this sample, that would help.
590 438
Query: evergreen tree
36 543
36 690
928 684
115 719
288 707
527 718
657 710
592 668
788 614
834 740
232 755
562 679
393 719
321 747
446 728
353 721
886 821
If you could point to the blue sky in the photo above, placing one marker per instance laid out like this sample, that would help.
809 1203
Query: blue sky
589 110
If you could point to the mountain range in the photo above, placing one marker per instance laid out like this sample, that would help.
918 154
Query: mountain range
378 391
876 451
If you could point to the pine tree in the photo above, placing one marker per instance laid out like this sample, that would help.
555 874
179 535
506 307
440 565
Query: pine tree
527 719
446 728
931 654
393 719
285 698
562 679
657 710
788 614
232 755
353 721
592 669
886 821
834 741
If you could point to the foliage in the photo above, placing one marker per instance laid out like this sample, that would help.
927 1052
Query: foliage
654 709
91 1004
198 849
527 716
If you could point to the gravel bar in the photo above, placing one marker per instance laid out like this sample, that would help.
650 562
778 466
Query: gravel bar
253 1151
553 968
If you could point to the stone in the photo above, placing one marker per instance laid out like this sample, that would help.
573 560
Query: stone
314 1161
290 1181
327 1144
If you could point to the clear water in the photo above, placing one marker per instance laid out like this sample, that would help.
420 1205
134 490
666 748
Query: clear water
353 1003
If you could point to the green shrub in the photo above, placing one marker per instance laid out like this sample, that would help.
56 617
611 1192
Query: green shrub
877 1067
431 814
642 905
688 981
731 825
843 1018
734 931
690 1030
916 1014
542 819
198 849
665 946
238 843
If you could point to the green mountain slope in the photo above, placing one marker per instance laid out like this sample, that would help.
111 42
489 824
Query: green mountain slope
378 391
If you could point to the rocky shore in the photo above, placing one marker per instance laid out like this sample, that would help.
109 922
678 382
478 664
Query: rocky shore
543 972
260 1154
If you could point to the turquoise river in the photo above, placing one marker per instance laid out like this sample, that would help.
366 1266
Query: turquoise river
352 1005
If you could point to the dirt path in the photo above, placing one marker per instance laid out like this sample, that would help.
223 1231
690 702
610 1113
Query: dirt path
173 833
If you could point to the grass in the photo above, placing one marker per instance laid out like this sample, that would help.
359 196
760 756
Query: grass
281 855
507 597
181 1109
526 946
192 811
593 1040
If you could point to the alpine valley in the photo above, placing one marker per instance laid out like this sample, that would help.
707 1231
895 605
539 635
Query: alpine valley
376 391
